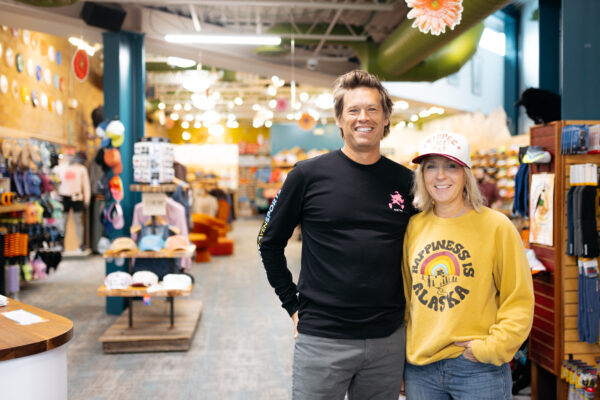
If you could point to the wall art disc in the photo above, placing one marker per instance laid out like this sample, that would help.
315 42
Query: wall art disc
3 84
81 65
30 67
9 57
44 100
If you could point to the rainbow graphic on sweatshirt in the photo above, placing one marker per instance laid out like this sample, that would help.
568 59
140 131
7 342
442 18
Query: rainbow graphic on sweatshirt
440 263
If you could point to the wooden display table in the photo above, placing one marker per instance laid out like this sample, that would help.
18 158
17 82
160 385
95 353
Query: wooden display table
33 353
151 331
132 291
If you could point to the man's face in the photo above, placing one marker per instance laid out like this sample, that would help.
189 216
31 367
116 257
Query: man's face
363 119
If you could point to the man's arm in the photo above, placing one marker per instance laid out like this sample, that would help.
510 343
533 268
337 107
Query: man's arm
282 217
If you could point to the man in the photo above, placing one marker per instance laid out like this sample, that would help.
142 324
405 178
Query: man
488 189
353 206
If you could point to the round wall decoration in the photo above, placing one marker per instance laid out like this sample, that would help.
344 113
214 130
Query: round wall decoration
81 65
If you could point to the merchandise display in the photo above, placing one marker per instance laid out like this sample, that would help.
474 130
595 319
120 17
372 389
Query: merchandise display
153 161
501 166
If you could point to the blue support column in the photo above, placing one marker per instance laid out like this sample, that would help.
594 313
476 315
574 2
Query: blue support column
511 17
581 58
124 84
549 18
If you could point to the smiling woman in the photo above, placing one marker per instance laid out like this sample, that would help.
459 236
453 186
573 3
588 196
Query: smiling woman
461 258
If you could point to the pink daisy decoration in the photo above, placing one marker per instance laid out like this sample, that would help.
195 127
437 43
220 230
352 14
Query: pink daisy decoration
435 15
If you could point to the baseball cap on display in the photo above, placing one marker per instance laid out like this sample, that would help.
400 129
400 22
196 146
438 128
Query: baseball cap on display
176 242
151 243
122 244
101 130
144 278
115 216
176 281
118 280
31 214
116 132
116 188
446 144
103 244
112 158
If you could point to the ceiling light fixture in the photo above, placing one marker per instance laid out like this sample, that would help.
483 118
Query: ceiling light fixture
204 38
82 44
180 62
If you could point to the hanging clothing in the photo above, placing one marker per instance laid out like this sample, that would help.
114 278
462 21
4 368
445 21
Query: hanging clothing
181 197
204 203
74 182
521 201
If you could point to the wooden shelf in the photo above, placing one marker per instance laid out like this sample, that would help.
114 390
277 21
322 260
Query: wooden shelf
13 208
133 291
162 188
151 254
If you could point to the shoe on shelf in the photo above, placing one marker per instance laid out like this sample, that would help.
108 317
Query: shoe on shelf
536 155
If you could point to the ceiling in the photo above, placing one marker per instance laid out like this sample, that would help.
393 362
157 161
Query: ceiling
326 34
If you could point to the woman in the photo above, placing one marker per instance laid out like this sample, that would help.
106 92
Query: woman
469 293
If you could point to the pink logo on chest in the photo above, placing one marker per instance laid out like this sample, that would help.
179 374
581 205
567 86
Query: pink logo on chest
396 198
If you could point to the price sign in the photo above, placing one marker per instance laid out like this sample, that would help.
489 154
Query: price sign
154 204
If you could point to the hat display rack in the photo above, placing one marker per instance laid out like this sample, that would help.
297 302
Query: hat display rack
110 186
31 239
156 253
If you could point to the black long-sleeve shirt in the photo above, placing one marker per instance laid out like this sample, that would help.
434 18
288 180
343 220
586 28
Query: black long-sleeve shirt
353 218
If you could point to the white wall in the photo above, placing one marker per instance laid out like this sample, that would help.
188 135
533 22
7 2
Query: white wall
444 93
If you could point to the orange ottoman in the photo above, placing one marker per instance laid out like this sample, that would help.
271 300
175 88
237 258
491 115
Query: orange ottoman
201 242
224 247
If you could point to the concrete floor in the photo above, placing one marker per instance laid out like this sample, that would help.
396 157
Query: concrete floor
242 349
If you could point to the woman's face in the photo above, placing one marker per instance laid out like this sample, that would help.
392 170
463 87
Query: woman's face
444 180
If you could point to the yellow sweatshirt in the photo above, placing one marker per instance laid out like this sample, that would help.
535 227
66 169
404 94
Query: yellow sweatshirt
465 278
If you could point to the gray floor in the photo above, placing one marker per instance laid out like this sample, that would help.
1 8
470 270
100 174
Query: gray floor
242 349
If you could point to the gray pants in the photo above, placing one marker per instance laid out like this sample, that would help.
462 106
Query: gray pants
327 369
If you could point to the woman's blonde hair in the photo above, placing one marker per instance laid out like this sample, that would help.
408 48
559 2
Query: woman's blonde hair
423 201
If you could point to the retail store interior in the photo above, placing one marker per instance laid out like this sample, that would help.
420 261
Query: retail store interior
154 136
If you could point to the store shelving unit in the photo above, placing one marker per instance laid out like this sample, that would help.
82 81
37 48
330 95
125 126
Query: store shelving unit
554 334
13 208
151 331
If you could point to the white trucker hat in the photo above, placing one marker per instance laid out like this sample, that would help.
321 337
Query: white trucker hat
446 144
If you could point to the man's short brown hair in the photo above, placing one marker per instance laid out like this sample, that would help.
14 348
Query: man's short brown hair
355 79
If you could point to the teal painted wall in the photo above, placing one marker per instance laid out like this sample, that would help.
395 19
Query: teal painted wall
288 136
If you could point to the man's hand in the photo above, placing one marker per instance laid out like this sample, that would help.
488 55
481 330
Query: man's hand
468 353
295 320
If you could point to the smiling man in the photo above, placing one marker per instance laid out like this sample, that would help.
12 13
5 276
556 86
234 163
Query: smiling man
353 206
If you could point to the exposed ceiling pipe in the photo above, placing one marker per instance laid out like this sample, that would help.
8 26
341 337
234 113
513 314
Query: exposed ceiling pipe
406 46
446 61
407 53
